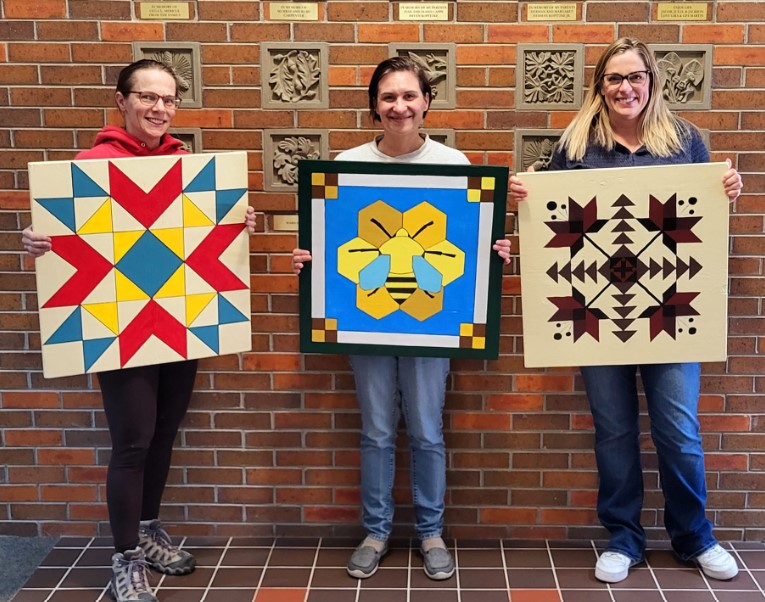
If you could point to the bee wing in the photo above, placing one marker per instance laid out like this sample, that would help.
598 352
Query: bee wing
375 274
428 278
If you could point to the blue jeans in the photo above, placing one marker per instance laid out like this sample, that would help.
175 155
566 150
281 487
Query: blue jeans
672 392
385 386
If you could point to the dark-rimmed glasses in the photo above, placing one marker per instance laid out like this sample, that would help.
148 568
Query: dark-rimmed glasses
636 78
149 99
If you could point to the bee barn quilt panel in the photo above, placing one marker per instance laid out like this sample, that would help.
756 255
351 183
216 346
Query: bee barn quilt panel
402 259
624 265
149 261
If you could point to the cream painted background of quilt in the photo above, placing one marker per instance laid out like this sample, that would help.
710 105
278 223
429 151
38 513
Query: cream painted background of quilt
703 181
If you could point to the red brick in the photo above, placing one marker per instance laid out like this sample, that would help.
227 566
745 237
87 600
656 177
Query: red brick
129 32
460 34
357 12
517 34
745 12
326 32
487 12
100 9
228 11
584 33
39 9
706 32
665 33
397 32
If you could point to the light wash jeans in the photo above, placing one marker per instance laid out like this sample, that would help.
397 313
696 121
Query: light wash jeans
672 392
385 386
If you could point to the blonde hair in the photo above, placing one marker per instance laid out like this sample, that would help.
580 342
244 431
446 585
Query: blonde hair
660 131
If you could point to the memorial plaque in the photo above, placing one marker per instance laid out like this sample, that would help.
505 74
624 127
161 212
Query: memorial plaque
286 223
681 11
293 11
165 11
560 11
423 11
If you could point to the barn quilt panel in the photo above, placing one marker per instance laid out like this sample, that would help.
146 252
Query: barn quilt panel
149 261
402 258
624 266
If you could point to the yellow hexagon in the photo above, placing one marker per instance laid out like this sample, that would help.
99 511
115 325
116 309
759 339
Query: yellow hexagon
447 259
354 256
425 224
422 305
379 222
377 303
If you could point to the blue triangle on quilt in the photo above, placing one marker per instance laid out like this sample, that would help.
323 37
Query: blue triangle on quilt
84 186
225 200
228 314
62 209
93 349
70 329
204 180
208 335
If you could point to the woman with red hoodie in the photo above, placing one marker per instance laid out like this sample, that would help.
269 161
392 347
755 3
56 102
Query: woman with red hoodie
144 406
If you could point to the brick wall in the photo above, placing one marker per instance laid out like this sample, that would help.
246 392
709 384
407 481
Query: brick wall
271 442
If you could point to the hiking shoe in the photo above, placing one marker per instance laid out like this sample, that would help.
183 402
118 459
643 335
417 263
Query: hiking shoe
437 563
161 554
365 560
613 567
717 563
129 582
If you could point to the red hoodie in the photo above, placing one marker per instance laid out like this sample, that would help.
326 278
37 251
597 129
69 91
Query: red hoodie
114 142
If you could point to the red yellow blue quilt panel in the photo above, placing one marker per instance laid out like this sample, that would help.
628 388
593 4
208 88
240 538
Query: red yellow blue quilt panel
149 261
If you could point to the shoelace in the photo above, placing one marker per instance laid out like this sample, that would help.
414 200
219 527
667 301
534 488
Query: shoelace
161 537
137 570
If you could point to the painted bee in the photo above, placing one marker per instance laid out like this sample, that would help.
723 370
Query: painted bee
400 260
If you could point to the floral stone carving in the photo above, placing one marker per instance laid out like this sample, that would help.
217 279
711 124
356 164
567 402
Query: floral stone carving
282 149
686 73
549 76
293 75
534 147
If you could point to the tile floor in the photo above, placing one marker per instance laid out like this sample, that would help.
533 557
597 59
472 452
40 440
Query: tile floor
310 570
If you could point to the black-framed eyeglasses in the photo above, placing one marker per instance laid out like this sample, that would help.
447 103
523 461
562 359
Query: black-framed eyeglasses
149 99
636 78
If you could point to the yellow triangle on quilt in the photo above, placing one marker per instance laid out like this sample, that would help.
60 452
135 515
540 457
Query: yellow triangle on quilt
124 241
175 285
173 238
195 304
106 313
100 221
193 215
126 290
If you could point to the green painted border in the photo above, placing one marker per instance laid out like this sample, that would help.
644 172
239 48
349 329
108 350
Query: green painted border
305 237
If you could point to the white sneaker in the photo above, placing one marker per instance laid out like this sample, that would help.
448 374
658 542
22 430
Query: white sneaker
613 567
717 563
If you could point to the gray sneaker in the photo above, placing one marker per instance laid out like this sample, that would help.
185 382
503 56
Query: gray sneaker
365 560
161 554
129 582
437 563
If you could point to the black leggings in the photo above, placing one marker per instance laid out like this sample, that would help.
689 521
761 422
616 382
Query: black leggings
144 407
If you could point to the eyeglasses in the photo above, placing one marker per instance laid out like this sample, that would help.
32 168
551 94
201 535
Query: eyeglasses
149 99
636 78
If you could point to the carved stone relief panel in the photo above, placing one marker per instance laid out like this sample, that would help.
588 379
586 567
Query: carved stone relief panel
439 62
686 73
442 135
191 138
282 149
294 75
549 76
183 57
534 147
